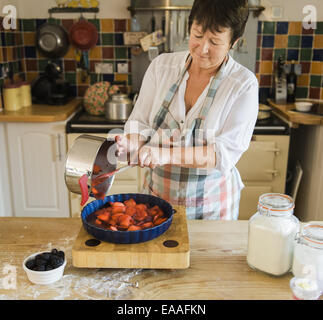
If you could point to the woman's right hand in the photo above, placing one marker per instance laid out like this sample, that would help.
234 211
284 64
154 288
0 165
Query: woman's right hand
128 147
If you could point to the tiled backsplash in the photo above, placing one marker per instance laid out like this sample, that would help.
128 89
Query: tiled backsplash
18 48
290 40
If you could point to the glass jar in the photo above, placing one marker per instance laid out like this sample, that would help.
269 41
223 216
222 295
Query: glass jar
304 289
271 234
308 253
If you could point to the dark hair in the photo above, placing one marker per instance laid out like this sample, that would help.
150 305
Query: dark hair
216 14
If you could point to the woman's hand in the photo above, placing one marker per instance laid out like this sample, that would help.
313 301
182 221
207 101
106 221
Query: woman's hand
128 146
152 157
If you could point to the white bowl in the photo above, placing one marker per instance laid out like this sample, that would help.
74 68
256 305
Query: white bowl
303 106
43 277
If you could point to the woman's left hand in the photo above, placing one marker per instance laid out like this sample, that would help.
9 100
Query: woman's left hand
152 157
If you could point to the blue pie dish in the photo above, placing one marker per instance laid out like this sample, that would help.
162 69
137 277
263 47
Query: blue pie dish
127 237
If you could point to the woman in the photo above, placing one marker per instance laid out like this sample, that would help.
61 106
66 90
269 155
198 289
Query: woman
195 114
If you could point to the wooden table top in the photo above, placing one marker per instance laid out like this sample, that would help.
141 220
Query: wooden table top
218 267
296 117
40 113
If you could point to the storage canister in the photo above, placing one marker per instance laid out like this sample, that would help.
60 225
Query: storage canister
12 97
308 253
271 234
25 92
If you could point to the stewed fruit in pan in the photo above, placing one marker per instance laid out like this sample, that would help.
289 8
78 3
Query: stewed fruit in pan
127 216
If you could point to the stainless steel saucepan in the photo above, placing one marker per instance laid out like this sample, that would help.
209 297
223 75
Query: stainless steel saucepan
91 166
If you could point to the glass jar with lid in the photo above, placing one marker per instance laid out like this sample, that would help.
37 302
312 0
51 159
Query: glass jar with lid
308 253
271 233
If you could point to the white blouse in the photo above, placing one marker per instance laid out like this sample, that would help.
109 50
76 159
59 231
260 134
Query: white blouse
231 119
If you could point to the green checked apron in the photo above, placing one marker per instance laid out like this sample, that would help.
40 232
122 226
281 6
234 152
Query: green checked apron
205 193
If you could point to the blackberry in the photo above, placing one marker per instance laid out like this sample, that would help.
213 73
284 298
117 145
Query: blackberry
40 268
56 261
45 256
39 261
30 264
54 251
39 256
61 254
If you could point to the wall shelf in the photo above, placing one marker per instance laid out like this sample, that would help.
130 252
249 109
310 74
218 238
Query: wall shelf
72 10
255 9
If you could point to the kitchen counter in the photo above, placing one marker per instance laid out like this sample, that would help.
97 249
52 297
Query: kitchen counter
218 267
41 113
295 117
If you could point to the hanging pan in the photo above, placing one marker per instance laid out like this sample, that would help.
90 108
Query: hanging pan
52 40
83 35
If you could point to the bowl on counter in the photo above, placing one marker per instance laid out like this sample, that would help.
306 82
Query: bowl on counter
127 237
303 106
43 277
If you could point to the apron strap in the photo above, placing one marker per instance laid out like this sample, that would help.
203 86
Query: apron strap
198 123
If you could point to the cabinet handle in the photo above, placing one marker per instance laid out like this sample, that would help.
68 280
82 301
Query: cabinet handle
275 150
59 149
273 172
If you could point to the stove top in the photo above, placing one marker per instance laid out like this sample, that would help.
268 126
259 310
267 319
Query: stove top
82 122
272 125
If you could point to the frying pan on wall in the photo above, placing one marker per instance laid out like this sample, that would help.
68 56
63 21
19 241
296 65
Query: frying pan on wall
52 40
83 35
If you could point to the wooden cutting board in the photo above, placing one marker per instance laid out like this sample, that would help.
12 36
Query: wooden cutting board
168 251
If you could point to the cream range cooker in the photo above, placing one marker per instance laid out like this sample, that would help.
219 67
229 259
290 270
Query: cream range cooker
263 167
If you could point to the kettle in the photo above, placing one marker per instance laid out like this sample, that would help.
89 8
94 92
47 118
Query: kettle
118 108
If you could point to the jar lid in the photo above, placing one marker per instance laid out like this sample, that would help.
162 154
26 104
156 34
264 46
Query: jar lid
276 202
313 232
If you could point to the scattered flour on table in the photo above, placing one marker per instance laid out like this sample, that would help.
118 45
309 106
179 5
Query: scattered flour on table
77 283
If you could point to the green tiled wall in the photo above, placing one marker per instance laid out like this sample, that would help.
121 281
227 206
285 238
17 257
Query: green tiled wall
17 48
291 41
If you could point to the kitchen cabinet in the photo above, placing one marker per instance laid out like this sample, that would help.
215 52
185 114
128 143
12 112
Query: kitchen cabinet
36 158
5 194
307 148
263 169
129 181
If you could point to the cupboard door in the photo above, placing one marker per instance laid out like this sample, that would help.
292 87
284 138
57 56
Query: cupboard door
258 162
249 200
5 192
37 162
